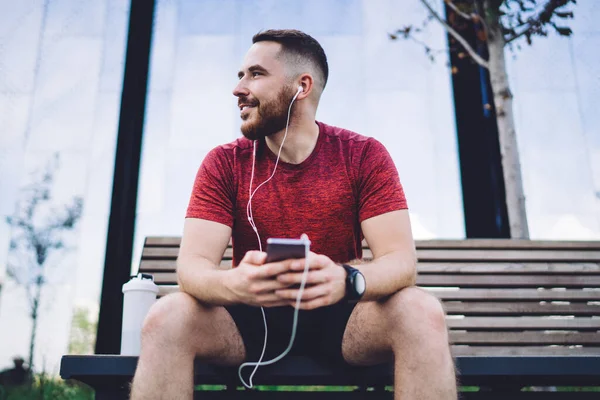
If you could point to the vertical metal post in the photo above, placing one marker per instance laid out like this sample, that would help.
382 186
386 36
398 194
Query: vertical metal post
121 226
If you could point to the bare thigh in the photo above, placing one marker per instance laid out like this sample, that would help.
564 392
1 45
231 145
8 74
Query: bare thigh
366 340
182 323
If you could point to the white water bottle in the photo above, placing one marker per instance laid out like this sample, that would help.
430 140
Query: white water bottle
138 296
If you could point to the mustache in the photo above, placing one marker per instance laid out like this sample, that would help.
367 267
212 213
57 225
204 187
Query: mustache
247 101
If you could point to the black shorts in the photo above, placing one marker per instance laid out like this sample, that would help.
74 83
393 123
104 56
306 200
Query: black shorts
319 333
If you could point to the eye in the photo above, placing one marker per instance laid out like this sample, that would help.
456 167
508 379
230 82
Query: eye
255 74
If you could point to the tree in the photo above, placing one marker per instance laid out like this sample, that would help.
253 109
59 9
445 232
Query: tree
39 229
500 24
83 331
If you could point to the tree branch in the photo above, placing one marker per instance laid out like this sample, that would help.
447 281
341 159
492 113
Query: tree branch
474 17
514 37
478 59
457 10
538 21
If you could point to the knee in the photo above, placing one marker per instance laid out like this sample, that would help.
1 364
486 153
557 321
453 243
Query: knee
415 310
169 320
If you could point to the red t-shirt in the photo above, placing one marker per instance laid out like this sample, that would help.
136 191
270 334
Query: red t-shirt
347 178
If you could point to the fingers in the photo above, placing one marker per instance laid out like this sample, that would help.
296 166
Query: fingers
266 286
322 301
308 294
271 300
254 257
315 261
272 269
262 270
312 277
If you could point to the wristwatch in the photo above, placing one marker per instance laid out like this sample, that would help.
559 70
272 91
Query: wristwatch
355 283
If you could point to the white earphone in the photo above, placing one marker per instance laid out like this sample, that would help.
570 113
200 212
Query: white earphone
252 193
304 275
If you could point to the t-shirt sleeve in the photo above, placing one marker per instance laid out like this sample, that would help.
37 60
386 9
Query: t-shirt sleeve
213 195
379 190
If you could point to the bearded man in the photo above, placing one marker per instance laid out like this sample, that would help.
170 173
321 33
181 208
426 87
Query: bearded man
336 186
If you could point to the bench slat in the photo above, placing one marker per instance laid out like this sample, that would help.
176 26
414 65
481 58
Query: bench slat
509 268
507 244
524 308
486 295
149 265
487 351
509 281
524 338
471 281
523 323
517 295
429 255
508 255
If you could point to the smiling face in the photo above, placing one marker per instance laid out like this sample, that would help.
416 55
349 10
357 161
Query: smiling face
264 91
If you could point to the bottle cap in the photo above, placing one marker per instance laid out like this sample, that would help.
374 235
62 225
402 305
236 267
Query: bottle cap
141 282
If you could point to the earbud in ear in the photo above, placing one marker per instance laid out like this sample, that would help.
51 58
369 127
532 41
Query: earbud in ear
300 89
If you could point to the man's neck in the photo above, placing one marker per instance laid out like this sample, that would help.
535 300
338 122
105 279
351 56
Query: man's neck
300 141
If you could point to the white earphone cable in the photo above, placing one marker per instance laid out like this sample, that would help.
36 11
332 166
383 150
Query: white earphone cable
292 337
304 275
249 205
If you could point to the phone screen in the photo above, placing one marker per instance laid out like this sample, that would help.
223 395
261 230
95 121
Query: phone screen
285 249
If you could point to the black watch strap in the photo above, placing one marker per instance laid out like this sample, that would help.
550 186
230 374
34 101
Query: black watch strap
352 276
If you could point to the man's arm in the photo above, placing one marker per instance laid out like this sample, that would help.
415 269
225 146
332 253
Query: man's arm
198 263
393 267
394 264
199 274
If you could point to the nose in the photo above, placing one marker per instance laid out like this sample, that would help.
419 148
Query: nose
240 89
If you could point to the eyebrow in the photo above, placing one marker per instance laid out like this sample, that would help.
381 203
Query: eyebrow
252 68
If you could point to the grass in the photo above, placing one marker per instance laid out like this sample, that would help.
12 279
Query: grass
44 387
53 388
387 388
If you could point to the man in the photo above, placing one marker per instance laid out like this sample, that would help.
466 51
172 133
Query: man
330 183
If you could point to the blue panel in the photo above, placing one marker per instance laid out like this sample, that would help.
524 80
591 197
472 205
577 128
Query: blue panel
206 17
587 71
115 35
19 45
325 17
257 15
333 17
74 18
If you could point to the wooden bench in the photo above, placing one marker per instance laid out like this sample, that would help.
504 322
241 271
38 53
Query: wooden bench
520 313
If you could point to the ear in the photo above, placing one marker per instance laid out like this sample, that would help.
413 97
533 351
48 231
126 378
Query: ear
307 82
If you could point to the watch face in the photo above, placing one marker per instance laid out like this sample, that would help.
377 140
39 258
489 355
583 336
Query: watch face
360 284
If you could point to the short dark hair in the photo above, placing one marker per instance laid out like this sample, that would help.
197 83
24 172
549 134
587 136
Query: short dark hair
297 44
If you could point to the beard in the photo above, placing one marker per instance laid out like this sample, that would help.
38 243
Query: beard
271 115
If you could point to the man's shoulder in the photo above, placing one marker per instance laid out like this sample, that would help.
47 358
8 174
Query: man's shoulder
232 149
240 143
345 136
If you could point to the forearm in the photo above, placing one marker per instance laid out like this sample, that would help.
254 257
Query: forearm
205 281
388 274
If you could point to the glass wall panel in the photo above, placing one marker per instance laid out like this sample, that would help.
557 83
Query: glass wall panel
557 96
388 90
61 71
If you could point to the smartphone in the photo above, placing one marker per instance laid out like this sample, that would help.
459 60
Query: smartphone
284 249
